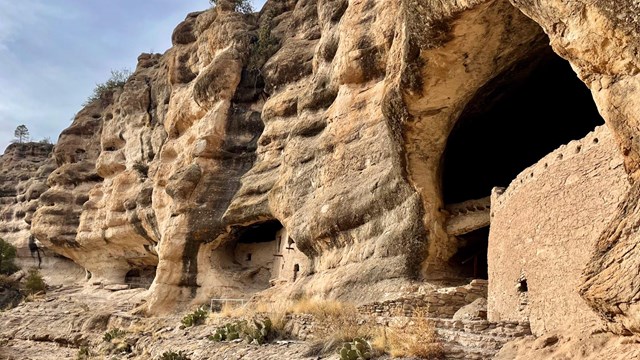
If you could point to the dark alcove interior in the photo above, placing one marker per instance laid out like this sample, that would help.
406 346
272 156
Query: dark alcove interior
514 121
471 259
259 233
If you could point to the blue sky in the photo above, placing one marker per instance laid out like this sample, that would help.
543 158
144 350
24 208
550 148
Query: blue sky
52 53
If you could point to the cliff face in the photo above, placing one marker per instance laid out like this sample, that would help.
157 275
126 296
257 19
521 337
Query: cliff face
24 169
221 161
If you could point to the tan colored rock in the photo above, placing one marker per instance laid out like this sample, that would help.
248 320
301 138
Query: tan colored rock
321 172
477 310
24 169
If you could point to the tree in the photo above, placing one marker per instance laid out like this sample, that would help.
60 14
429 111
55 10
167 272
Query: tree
241 6
7 254
21 134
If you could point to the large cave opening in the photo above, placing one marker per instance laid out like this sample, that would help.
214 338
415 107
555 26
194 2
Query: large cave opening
512 122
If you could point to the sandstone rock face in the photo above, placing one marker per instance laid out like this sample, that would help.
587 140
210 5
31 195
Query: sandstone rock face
24 169
543 230
222 168
23 173
118 230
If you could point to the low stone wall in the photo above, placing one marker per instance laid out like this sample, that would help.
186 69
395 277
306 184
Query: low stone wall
441 303
461 339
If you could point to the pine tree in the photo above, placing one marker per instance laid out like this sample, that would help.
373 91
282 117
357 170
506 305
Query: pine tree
21 134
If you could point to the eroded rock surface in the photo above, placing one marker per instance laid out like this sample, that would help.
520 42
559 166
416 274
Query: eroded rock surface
24 171
217 166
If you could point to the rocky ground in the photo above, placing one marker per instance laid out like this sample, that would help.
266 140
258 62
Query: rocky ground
70 320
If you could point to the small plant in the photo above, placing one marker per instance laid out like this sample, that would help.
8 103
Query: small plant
258 332
114 333
265 45
241 6
358 349
34 283
418 339
195 318
117 80
7 254
83 353
228 332
172 355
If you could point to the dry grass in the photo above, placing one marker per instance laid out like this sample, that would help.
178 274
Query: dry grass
321 308
418 339
276 312
338 322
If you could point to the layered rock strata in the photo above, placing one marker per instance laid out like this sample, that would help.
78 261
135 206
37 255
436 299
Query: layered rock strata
327 121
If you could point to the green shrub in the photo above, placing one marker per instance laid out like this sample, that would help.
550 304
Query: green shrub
113 334
228 332
358 349
34 282
7 254
116 81
83 353
172 355
241 6
258 332
195 318
265 46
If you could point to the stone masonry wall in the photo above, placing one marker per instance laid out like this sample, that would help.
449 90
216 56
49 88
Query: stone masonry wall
438 303
543 229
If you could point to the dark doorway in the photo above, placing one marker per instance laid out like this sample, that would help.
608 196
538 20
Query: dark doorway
514 121
471 259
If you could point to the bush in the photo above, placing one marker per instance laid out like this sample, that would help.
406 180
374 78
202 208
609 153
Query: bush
195 318
7 254
83 353
258 331
241 6
34 283
265 46
419 339
113 334
116 81
172 355
358 349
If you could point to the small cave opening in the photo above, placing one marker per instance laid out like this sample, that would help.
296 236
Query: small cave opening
255 248
522 285
470 261
512 122
140 277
